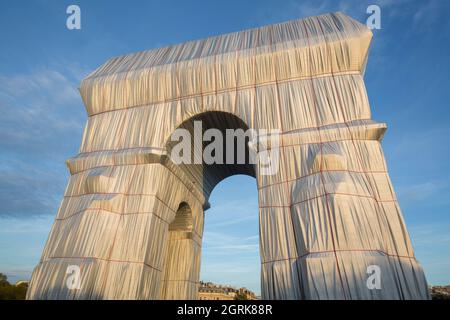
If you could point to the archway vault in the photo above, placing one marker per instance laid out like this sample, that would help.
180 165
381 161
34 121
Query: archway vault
327 215
206 176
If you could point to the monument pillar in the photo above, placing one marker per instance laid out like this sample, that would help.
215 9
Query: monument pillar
339 234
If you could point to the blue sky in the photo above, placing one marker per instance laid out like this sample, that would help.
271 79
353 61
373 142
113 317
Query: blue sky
42 116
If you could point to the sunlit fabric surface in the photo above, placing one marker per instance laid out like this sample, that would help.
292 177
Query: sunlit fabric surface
132 220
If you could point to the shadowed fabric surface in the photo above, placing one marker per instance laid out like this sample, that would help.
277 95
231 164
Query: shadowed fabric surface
132 220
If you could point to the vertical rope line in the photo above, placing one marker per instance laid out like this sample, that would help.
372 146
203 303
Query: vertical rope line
288 191
356 151
330 222
108 266
253 115
124 199
91 196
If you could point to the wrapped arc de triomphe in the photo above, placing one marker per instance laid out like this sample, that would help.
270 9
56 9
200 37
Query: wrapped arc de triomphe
130 224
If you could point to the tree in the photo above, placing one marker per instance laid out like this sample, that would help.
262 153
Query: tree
11 292
3 279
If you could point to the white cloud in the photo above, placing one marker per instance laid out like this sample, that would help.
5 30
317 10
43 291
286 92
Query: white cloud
430 13
224 244
42 83
21 243
41 124
18 226
230 213
431 242
420 191
38 109
430 234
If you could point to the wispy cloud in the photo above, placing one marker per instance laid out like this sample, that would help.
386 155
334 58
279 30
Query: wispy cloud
41 123
429 15
50 84
229 259
26 190
430 234
431 242
19 225
37 108
240 272
232 213
230 253
225 244
421 191
21 242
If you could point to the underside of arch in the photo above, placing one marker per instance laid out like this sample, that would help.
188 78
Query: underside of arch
207 176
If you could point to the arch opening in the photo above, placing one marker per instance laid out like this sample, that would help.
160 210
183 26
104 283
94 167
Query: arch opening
207 175
183 220
182 259
235 162
230 251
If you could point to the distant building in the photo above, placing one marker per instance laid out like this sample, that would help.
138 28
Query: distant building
25 283
212 291
440 292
